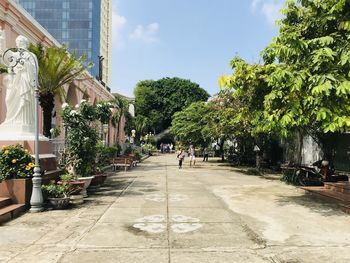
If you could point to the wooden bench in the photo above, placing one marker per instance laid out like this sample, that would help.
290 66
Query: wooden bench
117 162
135 161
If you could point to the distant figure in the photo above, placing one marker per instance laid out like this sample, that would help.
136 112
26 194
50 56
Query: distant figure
181 157
205 155
161 148
171 147
192 155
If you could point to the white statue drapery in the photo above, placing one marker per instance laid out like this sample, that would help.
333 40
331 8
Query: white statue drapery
20 90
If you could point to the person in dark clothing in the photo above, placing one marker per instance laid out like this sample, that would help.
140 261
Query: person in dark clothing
205 155
181 157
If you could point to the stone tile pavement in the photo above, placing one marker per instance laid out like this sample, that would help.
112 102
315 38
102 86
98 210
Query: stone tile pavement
157 213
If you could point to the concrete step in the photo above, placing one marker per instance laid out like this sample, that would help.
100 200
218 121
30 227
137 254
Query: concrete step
5 201
11 211
342 187
333 195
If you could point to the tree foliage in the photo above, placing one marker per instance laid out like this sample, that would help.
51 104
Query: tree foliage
311 84
159 100
304 83
189 124
56 69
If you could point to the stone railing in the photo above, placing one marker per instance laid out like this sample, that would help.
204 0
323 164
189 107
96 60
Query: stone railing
57 147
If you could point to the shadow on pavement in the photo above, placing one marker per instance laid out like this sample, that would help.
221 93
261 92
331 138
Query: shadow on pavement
315 204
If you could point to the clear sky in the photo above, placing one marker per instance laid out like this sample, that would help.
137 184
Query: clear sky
191 39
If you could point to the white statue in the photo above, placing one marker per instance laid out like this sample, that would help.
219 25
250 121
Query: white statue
20 90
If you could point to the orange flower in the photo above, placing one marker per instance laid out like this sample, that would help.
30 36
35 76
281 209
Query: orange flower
14 161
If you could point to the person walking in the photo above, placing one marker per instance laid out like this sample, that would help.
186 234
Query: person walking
192 155
205 155
181 157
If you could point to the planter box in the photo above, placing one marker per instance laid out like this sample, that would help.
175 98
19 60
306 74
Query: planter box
98 180
19 190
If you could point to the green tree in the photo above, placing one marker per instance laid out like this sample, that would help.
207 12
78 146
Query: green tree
121 104
159 100
304 84
311 87
57 68
188 124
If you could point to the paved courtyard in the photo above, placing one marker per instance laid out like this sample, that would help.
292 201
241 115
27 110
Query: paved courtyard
157 213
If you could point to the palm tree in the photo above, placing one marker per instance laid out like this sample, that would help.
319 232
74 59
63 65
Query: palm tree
57 68
122 106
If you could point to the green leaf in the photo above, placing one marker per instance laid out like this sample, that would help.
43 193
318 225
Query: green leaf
343 88
322 89
345 25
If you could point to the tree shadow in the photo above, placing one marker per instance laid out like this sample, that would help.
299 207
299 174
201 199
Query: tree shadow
317 204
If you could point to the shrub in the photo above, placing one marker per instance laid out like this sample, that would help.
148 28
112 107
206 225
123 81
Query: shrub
81 138
290 177
128 150
148 148
15 162
54 190
105 153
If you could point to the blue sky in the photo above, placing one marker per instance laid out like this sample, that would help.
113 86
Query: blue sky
191 39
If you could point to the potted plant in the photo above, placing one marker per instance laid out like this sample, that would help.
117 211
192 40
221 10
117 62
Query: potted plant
81 141
76 185
103 156
57 194
16 169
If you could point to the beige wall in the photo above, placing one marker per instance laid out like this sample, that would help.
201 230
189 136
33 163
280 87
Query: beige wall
106 40
15 21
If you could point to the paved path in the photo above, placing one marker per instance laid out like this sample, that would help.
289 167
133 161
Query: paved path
157 213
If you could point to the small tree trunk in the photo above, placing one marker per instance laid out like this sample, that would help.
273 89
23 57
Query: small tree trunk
222 150
301 145
47 104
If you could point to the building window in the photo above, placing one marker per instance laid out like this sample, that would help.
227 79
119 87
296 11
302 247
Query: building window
65 15
65 34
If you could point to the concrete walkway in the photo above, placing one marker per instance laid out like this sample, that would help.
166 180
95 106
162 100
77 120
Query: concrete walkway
157 213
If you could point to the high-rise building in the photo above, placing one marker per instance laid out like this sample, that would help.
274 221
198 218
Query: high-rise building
84 25
106 40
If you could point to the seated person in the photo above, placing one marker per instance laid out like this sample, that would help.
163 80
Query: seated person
327 173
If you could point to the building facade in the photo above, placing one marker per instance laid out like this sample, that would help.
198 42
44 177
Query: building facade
106 41
14 20
84 25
